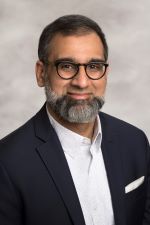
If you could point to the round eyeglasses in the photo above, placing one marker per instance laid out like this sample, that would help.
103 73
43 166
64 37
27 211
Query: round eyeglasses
68 70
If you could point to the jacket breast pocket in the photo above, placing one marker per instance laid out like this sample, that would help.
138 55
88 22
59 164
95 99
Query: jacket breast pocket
135 205
136 194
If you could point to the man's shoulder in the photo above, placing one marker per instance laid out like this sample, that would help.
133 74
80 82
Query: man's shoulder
26 131
119 125
20 136
19 147
23 137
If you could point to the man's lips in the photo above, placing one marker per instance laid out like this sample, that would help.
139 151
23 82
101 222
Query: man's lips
79 96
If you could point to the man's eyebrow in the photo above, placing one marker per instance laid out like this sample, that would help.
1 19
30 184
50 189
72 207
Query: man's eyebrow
68 59
73 60
97 60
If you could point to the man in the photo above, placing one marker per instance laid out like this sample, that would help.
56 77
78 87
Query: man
71 164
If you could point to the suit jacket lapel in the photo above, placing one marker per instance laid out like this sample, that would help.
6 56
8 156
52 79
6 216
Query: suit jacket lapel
113 164
54 159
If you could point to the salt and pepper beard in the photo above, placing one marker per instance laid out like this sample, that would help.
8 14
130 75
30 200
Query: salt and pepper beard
74 111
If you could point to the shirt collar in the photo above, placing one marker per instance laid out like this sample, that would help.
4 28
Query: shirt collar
72 141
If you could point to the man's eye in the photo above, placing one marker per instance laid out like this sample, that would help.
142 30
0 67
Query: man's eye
65 66
95 66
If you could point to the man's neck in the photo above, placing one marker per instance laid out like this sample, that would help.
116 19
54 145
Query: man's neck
84 129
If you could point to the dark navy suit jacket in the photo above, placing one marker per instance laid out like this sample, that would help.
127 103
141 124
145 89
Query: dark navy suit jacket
36 187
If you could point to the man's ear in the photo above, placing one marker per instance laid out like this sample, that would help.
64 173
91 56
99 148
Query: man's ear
40 73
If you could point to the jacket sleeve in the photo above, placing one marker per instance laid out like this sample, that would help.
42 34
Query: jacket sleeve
146 220
10 207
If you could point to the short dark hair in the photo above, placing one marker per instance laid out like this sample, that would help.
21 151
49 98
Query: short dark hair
69 25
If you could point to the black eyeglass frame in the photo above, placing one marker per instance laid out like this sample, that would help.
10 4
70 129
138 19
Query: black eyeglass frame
77 65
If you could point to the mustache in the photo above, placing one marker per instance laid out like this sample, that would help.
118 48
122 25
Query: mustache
69 102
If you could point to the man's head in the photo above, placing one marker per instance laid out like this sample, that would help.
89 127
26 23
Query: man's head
72 67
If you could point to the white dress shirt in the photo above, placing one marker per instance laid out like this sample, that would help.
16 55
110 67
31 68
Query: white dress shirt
87 168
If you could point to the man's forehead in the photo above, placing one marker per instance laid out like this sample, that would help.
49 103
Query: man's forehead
60 35
68 45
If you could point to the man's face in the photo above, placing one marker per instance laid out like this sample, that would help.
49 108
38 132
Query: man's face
80 93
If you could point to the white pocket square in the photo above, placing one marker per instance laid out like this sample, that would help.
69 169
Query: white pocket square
133 185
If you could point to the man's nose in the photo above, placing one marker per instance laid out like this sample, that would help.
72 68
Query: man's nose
81 79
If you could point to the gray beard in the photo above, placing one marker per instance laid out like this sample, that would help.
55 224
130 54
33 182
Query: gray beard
74 111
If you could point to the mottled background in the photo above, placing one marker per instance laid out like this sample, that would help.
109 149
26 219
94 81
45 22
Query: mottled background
127 28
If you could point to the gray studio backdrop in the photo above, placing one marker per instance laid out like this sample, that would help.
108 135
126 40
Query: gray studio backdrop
127 28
